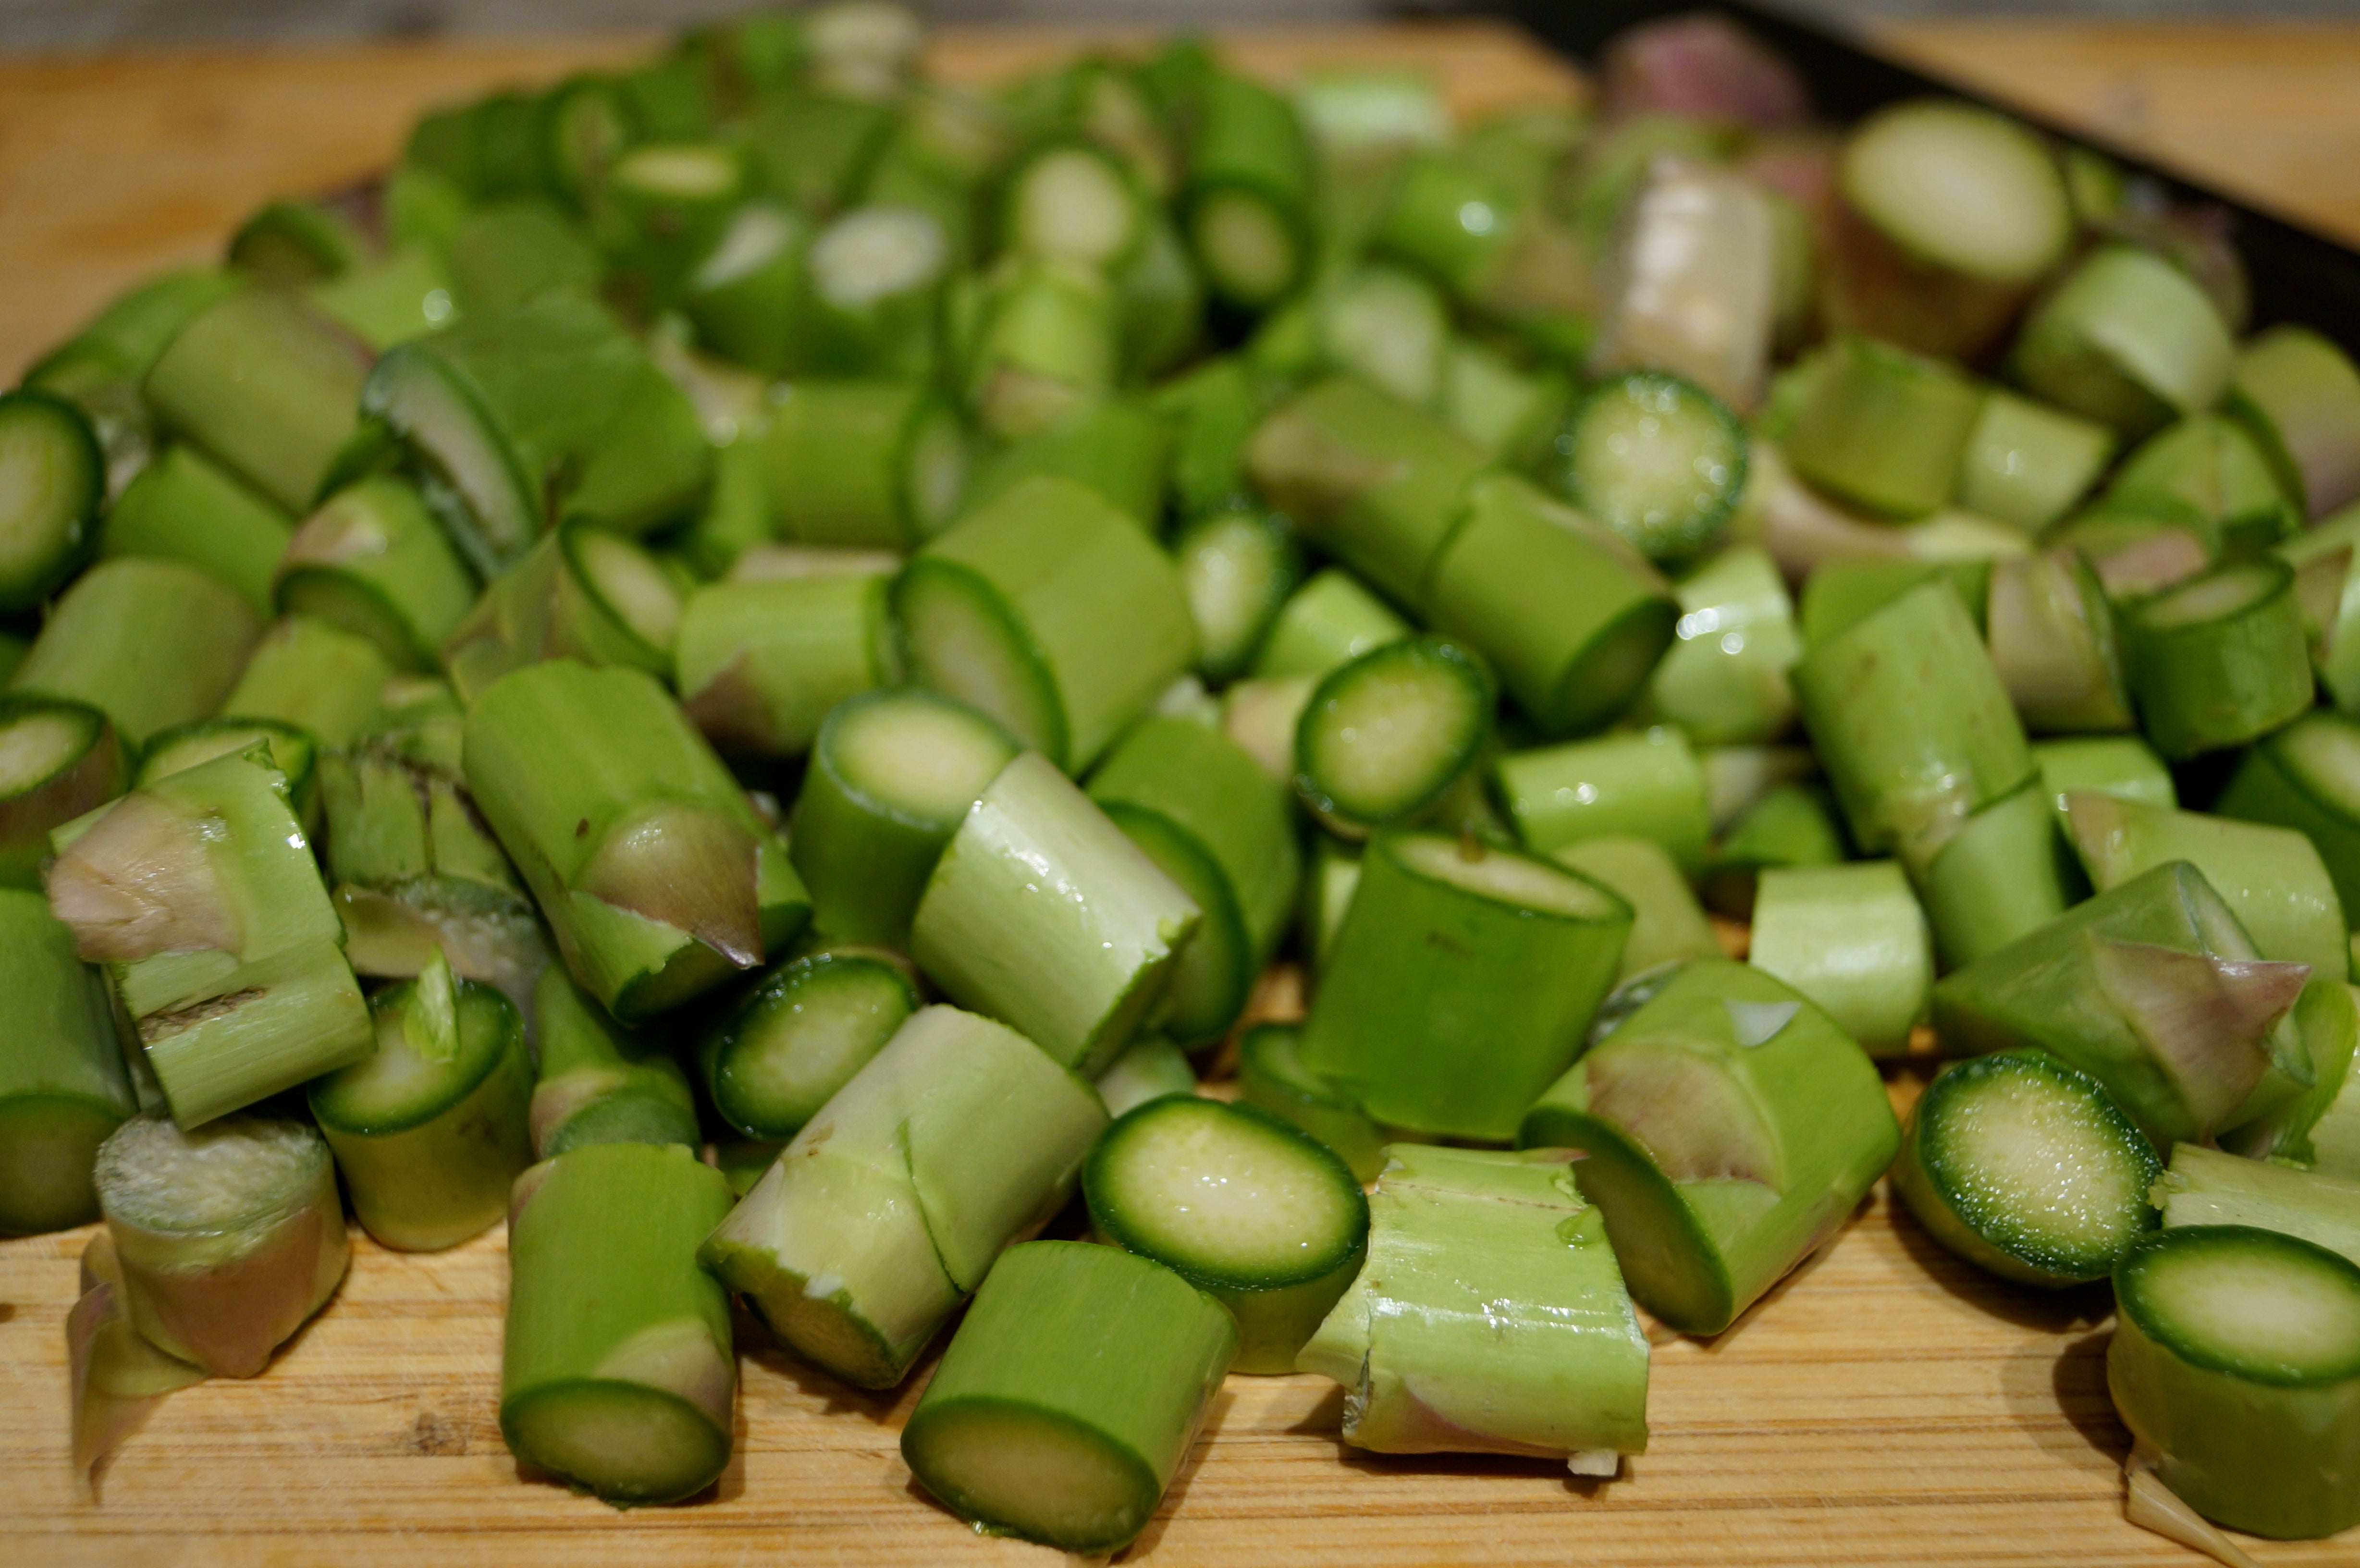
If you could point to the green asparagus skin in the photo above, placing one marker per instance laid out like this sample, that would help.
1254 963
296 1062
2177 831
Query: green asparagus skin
1912 723
1218 826
1730 1128
1373 480
1491 1317
230 960
412 867
890 778
656 875
62 1083
759 665
429 1129
1574 618
1461 982
599 1082
1041 913
269 387
582 592
892 1203
2152 988
372 562
148 643
1646 784
57 761
185 506
616 1373
1052 613
324 681
1070 1395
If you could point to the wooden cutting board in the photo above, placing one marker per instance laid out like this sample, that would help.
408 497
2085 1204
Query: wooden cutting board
1888 1405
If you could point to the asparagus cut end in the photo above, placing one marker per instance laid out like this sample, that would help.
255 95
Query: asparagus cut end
1035 1474
622 1442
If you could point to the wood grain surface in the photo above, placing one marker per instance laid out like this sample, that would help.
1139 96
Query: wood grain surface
1886 1406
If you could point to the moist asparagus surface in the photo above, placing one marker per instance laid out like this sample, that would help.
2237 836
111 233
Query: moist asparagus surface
1709 501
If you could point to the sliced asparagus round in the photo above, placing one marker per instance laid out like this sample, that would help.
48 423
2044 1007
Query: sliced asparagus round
800 1036
2026 1167
230 1237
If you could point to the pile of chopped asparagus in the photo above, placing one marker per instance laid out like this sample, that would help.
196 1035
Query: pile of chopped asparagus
745 664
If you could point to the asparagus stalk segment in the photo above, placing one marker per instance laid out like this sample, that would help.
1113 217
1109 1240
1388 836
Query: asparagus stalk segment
2236 1363
2220 659
2300 397
759 665
582 592
2153 990
1852 939
2051 636
2126 339
1668 926
2320 1126
891 1205
1259 1216
2205 471
1886 430
1042 913
892 776
1239 569
1657 459
800 1036
517 414
1045 342
1219 827
1574 618
148 643
1961 188
2000 878
1644 784
1245 199
1051 611
200 893
656 874
2206 1187
1912 723
1729 1129
2272 878
1372 479
875 464
2124 767
1789 824
311 675
1491 1317
185 506
372 562
62 1083
1070 1396
1329 621
2307 777
1693 284
1117 449
52 483
1388 737
58 760
265 385
616 1373
599 1082
2026 1167
229 1236
1461 982
2028 464
1150 1068
412 866
430 1131
1271 1075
